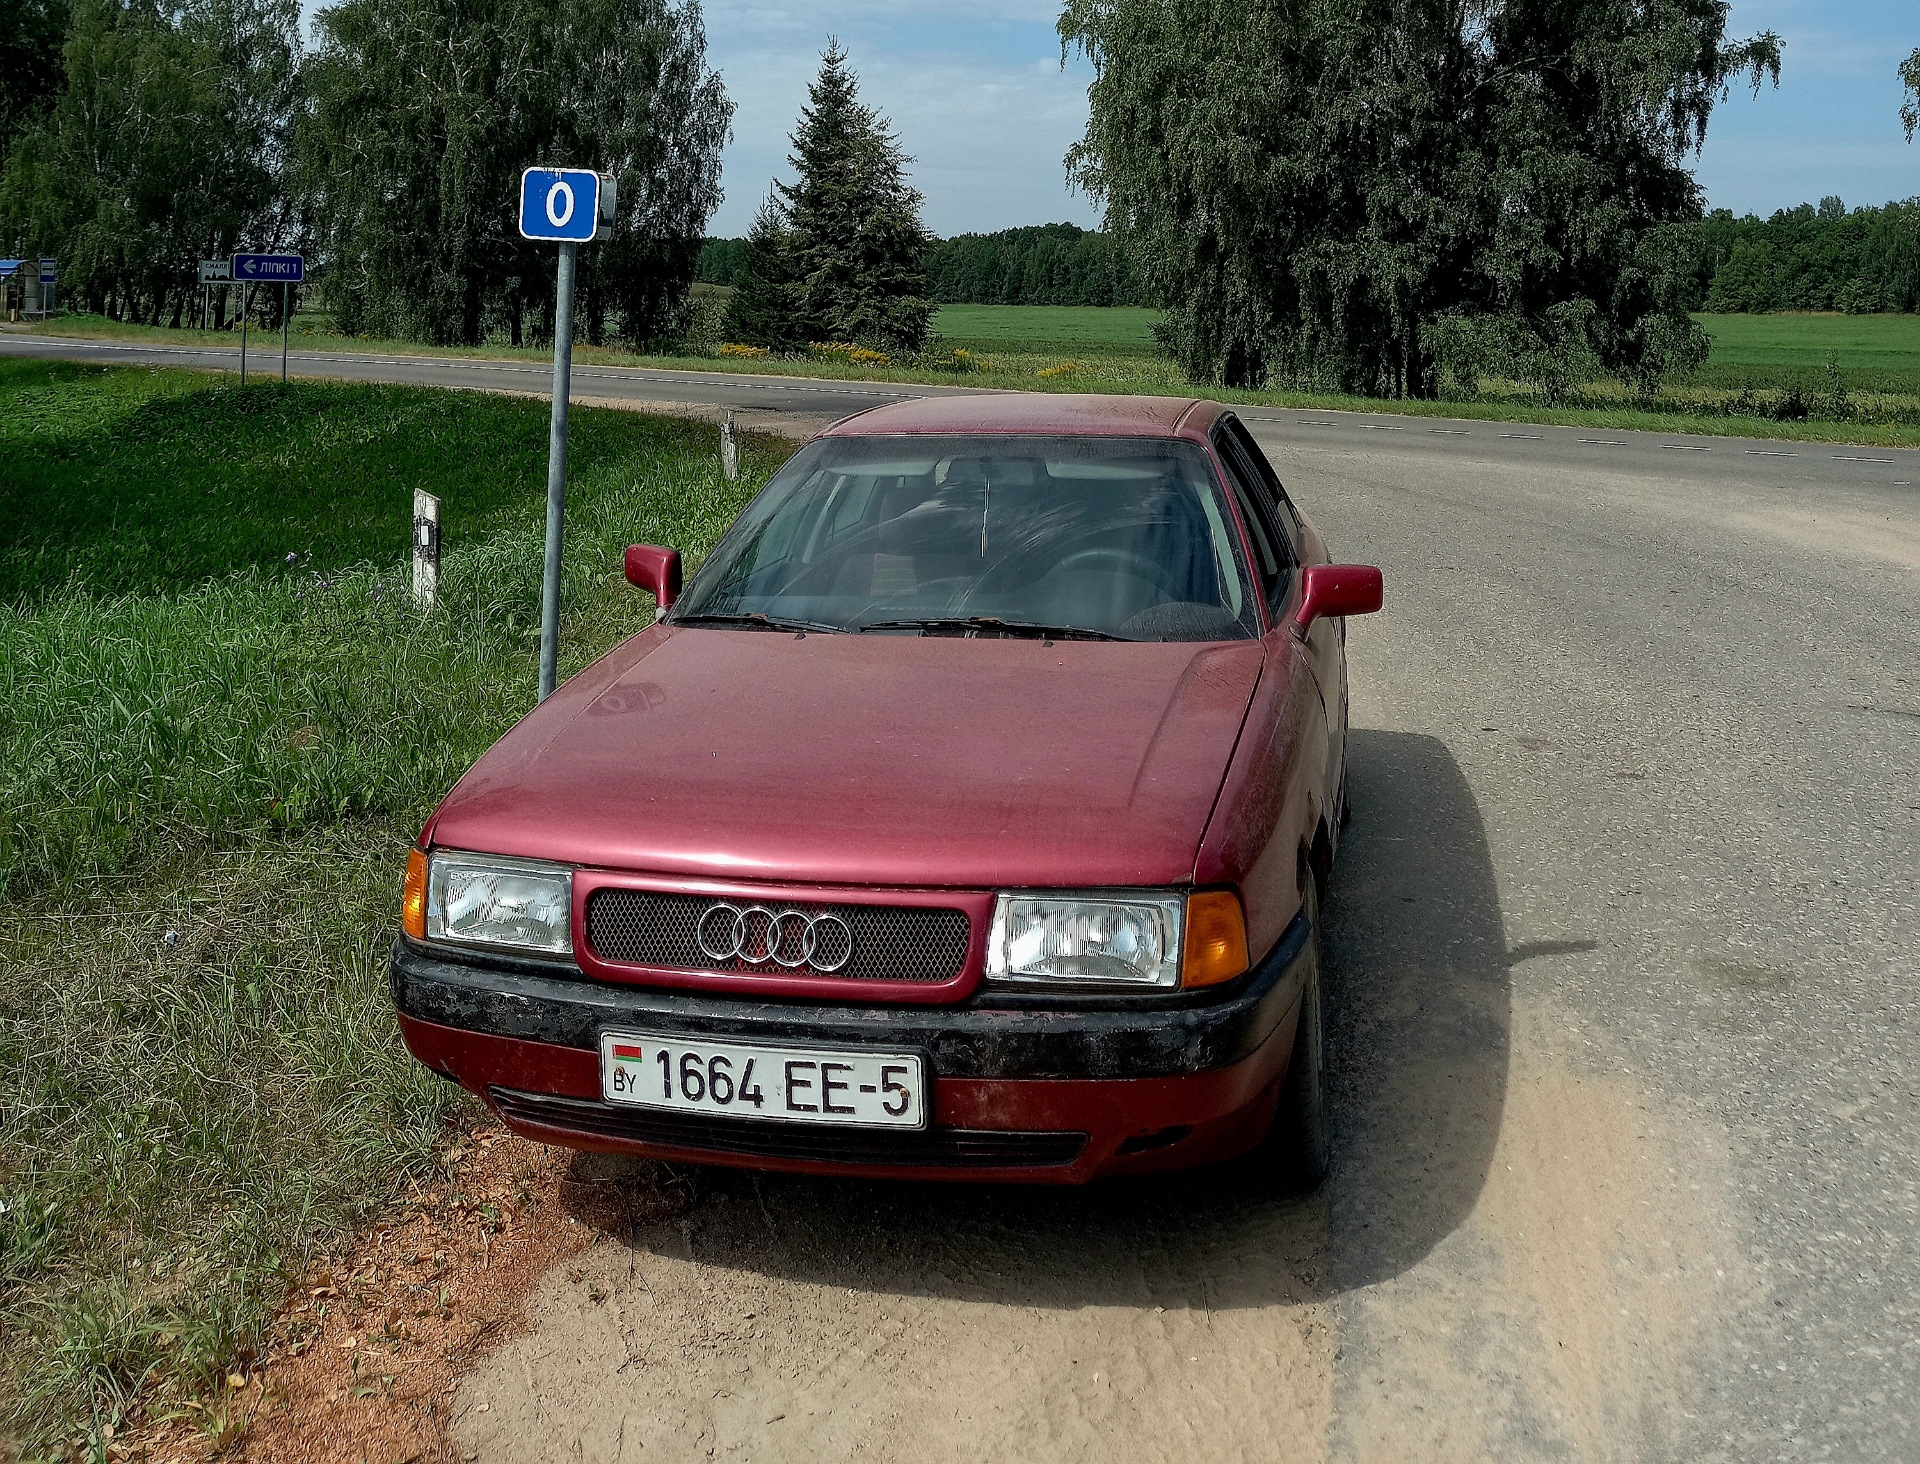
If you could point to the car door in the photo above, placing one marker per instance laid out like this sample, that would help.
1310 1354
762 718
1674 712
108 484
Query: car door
1327 639
1279 788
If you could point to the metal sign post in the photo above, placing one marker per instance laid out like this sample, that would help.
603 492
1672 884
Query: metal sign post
568 207
283 269
212 272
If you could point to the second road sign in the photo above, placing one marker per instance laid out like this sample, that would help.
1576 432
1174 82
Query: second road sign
269 269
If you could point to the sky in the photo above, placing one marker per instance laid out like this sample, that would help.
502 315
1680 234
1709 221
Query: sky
979 99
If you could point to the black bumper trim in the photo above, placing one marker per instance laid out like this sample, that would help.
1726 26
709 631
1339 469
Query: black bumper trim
973 1040
934 1148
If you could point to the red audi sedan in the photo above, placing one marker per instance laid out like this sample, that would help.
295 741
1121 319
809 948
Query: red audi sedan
967 817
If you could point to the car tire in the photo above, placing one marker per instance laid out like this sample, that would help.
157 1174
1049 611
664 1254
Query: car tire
1299 1147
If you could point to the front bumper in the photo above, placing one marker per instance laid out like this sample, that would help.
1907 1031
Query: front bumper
1022 1088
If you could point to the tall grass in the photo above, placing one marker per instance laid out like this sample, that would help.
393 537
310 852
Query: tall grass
206 791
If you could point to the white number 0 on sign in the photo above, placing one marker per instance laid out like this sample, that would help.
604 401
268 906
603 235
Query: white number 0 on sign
739 1080
559 204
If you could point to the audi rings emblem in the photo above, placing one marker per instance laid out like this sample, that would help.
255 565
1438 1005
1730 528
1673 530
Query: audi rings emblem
760 936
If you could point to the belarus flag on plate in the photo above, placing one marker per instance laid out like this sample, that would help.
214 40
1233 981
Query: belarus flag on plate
625 1052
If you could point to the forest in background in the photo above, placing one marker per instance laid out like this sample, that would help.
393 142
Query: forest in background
1825 256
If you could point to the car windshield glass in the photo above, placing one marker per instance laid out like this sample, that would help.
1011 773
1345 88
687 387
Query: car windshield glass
985 536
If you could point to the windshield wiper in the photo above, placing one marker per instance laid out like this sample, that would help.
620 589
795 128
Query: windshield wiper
976 625
755 620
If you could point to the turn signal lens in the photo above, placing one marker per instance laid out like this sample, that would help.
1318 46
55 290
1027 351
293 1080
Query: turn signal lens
413 896
1216 947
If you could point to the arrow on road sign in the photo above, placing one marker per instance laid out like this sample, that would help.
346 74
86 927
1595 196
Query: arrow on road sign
277 269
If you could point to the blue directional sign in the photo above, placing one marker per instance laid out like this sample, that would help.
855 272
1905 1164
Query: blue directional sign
559 205
49 269
275 269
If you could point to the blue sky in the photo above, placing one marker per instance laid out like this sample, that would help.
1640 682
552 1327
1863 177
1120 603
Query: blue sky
977 94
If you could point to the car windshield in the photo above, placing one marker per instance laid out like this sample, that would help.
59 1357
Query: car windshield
1097 537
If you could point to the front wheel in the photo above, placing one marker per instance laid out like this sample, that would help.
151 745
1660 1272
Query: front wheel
1299 1147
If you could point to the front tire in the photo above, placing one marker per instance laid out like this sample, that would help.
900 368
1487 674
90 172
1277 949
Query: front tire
1300 1144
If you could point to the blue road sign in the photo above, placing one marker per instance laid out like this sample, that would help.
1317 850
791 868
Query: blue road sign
274 269
559 205
49 269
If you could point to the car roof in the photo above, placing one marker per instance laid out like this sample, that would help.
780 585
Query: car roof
1069 414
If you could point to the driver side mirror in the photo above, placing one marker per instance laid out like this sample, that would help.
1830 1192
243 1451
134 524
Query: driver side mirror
1334 589
649 567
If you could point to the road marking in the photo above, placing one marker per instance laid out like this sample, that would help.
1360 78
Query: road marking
1599 442
1682 447
1762 452
1865 460
1304 422
1521 437
1377 427
1448 432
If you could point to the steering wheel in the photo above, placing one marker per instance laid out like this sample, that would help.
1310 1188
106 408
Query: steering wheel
1123 560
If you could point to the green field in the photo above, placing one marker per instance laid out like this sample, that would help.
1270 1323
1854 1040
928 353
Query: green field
1769 374
1024 327
211 764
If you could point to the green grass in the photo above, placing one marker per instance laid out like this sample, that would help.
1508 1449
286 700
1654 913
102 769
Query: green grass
1022 327
1875 353
1768 378
207 784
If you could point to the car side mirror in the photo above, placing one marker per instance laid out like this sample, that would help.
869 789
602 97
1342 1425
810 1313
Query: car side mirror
1334 589
649 567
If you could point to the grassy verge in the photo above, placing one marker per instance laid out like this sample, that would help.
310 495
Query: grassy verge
207 782
1770 381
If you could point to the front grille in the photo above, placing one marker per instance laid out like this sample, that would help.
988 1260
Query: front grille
934 1148
889 942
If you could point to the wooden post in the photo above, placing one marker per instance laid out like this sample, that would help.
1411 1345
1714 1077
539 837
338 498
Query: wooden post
426 549
729 450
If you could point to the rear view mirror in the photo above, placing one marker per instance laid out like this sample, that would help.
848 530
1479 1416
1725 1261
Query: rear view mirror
1334 589
649 567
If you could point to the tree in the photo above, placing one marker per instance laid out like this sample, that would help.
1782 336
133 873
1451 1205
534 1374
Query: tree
30 69
1910 83
1327 192
426 111
165 143
839 254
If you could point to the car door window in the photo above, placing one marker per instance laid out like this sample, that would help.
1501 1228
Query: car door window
1267 482
1272 562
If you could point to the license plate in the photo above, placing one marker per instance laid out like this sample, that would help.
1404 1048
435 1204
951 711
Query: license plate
742 1080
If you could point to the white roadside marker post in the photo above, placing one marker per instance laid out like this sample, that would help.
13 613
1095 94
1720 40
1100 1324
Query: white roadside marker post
426 550
568 207
729 449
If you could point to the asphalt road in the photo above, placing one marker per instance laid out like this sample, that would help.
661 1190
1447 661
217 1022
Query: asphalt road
1622 958
816 401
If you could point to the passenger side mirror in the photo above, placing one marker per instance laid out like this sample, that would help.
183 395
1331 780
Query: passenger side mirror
1334 589
649 567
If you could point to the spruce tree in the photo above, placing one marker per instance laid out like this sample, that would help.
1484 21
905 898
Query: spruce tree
840 254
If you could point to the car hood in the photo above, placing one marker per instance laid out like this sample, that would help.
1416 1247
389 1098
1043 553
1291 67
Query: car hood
869 759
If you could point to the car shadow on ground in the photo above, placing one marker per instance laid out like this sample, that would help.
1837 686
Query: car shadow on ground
1418 986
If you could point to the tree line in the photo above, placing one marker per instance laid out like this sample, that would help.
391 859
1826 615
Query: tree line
1041 264
140 136
1861 261
1814 257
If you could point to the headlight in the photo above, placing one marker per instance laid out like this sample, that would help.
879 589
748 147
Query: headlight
484 899
1087 940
